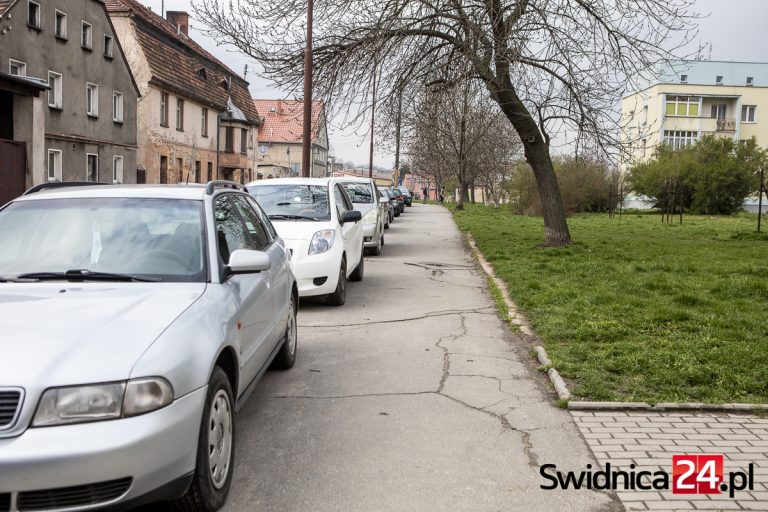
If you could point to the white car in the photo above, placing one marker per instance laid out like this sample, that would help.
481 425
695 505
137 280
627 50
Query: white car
368 201
316 219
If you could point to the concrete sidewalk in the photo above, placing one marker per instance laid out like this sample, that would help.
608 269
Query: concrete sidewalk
414 396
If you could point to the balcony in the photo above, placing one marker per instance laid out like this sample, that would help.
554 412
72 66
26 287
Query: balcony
726 125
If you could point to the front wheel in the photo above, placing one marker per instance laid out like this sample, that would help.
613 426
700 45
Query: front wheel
215 449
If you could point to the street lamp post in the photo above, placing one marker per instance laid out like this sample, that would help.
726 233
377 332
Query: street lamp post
306 140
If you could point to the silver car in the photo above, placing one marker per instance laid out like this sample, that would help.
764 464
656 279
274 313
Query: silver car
368 201
135 321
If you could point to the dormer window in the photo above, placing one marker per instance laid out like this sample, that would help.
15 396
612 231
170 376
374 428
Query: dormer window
683 79
750 81
224 84
201 73
273 110
718 80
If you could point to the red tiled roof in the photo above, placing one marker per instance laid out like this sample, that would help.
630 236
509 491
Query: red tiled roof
4 5
176 61
283 119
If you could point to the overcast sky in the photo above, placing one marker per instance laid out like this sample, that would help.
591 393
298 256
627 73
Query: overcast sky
735 28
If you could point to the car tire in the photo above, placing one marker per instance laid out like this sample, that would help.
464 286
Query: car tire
376 251
339 295
359 272
286 357
208 490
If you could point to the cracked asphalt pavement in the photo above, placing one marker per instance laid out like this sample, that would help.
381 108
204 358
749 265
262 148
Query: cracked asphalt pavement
412 396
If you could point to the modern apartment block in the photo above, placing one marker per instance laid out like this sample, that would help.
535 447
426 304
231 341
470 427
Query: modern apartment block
690 99
67 96
196 118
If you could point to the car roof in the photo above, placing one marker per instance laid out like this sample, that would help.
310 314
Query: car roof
353 179
290 181
181 191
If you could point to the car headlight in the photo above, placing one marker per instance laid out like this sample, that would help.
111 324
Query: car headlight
322 241
370 217
99 402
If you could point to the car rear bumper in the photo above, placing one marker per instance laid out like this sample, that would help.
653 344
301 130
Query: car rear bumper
153 451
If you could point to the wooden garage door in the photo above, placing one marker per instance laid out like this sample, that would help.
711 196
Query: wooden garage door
13 166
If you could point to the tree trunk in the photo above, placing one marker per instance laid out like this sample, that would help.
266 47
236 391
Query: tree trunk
556 232
472 192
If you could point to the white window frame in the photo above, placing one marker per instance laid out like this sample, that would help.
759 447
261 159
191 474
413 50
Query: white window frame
33 23
204 122
165 99
55 92
22 66
109 45
678 139
94 111
745 110
63 34
179 114
57 165
117 169
86 28
117 106
679 99
87 158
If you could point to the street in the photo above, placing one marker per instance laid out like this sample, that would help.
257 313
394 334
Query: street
413 396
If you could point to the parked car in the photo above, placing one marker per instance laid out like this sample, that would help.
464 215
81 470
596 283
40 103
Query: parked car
323 231
400 198
367 200
136 320
406 195
391 205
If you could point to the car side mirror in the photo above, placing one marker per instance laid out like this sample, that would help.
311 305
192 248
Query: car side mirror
247 261
351 216
383 200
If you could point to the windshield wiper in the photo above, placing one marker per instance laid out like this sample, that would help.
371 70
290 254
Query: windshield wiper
292 217
85 274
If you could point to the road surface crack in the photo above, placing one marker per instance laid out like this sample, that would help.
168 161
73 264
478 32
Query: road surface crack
433 314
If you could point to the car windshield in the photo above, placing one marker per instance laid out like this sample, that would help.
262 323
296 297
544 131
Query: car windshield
153 239
293 201
384 192
359 192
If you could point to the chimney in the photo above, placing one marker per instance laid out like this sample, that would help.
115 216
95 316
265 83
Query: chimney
180 20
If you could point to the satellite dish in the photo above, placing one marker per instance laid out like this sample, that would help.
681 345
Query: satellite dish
263 149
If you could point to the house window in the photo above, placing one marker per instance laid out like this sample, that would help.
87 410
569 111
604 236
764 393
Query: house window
197 171
204 123
180 114
117 107
54 93
92 99
750 81
180 168
33 14
229 134
117 169
54 165
719 111
210 172
86 36
16 67
91 167
108 44
679 139
163 169
748 113
687 106
683 79
718 80
163 109
643 146
60 25
244 140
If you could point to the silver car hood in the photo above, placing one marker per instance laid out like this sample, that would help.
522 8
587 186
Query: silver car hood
61 333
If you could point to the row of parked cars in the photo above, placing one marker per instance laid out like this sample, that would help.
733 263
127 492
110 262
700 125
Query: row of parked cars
138 319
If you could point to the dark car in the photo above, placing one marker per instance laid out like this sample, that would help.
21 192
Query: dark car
408 197
400 198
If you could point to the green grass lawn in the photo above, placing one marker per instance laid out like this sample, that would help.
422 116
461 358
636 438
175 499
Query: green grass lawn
639 310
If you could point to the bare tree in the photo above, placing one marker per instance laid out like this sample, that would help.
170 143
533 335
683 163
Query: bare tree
549 64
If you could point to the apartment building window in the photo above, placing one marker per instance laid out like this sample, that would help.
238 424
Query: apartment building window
643 146
244 141
679 139
54 165
86 36
54 93
719 111
204 123
683 79
180 114
117 169
210 172
687 106
117 107
16 67
163 169
718 80
33 14
750 81
229 144
92 99
108 45
91 167
748 113
60 25
164 109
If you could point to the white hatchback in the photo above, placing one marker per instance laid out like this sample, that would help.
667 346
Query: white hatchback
316 219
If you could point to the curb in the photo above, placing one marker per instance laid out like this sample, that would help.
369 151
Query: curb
518 319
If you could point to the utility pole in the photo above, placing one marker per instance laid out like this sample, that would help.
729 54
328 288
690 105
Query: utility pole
760 191
306 138
397 128
373 123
